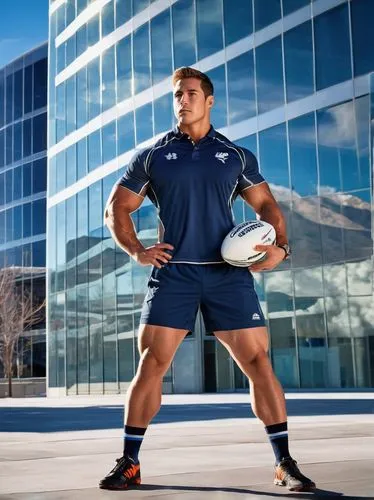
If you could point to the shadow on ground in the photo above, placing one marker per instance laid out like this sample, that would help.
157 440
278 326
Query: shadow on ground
50 419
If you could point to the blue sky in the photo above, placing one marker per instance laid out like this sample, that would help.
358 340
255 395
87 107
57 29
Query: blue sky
23 25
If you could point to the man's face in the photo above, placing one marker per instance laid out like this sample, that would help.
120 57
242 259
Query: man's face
190 103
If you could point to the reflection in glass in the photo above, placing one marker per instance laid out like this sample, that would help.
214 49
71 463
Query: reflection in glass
94 150
303 158
126 133
93 73
108 85
143 117
161 59
362 13
292 5
209 17
124 69
82 108
163 113
142 78
331 29
184 33
71 102
109 141
298 53
107 19
241 87
266 12
238 21
269 75
219 110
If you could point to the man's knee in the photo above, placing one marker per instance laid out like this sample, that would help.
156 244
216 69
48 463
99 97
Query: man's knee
153 363
257 363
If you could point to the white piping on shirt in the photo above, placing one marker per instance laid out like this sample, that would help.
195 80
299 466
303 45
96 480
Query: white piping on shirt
197 263
253 185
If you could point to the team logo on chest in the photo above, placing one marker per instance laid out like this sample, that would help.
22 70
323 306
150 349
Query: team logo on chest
222 157
171 156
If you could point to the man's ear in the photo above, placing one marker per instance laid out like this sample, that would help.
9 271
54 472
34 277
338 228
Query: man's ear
210 101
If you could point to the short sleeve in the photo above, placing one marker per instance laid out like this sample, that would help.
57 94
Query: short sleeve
250 175
135 177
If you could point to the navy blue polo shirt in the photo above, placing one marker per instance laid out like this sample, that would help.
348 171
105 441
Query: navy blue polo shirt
193 186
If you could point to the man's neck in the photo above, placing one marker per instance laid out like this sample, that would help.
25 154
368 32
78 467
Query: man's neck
195 131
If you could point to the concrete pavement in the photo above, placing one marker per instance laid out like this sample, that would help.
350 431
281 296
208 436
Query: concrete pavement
199 447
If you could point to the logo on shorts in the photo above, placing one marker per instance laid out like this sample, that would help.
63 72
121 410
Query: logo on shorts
171 156
222 157
255 316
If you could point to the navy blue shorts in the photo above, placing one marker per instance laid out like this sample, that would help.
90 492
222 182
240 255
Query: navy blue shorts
225 294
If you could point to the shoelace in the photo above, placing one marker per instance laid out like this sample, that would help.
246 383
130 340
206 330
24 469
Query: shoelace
291 469
120 463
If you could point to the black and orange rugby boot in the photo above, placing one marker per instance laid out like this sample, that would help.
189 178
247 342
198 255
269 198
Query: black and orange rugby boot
124 475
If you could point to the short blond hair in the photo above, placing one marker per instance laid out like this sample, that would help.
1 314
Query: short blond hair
187 72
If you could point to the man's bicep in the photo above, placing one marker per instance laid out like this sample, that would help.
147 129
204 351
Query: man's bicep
257 195
122 199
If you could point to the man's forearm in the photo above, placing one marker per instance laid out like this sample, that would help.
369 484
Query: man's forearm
271 213
124 234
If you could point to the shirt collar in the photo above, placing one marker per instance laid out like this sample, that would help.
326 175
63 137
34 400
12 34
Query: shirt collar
179 134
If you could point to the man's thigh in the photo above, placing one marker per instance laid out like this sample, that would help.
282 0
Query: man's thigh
244 344
161 340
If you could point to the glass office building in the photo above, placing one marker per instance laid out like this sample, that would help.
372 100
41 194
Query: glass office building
292 84
23 186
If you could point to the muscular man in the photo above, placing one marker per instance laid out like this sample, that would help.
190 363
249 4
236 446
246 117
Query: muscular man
192 175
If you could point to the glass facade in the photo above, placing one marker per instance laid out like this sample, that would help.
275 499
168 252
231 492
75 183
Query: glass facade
303 110
23 189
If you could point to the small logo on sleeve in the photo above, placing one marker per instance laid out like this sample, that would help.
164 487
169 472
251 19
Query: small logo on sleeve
222 157
256 316
171 156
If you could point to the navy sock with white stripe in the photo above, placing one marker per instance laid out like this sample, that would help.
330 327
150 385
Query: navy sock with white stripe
133 439
278 437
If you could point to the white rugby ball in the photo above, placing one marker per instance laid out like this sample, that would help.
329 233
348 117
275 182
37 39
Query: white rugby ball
238 247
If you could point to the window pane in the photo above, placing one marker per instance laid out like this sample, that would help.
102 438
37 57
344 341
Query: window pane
60 171
144 125
266 12
108 86
242 97
39 174
26 175
28 90
17 141
82 39
38 254
40 84
71 164
61 57
209 27
81 5
363 36
273 157
332 31
39 140
238 21
292 5
94 88
93 31
26 208
18 94
8 186
124 69
184 33
161 59
126 133
123 11
107 19
82 167
2 102
109 142
269 75
17 184
60 112
71 101
304 177
26 136
9 145
94 150
83 97
2 148
140 5
298 47
142 78
38 216
9 99
219 110
17 221
163 113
